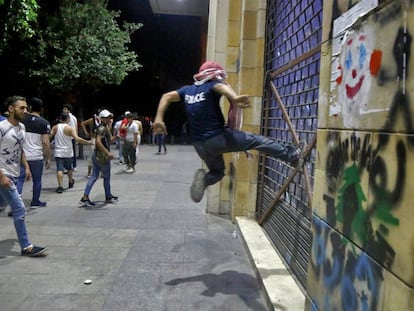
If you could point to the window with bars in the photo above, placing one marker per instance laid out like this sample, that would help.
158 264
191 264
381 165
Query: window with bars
292 61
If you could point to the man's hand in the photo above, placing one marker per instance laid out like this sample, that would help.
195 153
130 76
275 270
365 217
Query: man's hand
47 164
28 173
243 101
5 182
159 126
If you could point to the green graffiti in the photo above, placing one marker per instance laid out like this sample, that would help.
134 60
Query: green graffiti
350 208
350 204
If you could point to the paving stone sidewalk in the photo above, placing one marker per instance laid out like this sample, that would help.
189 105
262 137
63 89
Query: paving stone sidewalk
154 250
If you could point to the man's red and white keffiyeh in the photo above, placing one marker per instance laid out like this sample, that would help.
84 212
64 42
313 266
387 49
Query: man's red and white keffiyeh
209 71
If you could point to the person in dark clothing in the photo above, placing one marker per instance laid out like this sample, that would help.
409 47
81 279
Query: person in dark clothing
210 135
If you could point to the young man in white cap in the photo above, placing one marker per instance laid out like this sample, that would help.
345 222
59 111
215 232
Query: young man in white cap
101 160
210 135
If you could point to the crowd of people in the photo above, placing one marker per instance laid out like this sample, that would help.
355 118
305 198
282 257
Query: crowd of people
26 136
27 140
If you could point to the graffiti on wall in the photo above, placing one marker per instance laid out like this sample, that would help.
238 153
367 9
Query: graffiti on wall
357 168
358 65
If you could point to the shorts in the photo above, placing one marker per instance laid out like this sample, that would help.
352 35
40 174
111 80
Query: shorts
63 164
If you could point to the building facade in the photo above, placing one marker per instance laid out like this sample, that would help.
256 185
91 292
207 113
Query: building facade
336 74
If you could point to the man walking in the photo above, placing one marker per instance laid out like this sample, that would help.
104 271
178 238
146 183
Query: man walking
73 122
36 149
12 136
101 159
63 134
211 137
131 143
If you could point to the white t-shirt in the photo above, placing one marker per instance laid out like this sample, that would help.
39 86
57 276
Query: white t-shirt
11 146
117 125
63 142
131 130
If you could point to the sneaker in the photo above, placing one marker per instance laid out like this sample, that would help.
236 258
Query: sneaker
59 189
198 186
37 204
130 170
88 176
36 251
71 183
86 202
113 199
295 153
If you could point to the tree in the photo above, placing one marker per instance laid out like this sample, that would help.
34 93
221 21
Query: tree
18 18
81 47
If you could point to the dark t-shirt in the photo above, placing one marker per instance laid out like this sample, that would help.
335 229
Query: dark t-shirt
105 136
102 131
202 105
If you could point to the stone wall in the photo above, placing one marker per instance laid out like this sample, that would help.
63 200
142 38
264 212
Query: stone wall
236 40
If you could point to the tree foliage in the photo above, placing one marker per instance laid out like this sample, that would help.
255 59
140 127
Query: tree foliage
82 46
67 45
19 19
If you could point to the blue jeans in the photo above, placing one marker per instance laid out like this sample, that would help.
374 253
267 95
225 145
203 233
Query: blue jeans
11 196
211 150
36 167
105 168
120 144
160 138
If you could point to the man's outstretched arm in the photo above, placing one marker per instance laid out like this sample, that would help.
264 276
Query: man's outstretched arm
165 101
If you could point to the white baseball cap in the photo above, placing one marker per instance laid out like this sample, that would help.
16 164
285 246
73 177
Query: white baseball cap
105 114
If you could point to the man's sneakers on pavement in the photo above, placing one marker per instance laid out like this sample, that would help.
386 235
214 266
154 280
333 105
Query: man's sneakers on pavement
111 200
130 170
71 183
59 189
86 202
295 153
34 251
198 186
35 205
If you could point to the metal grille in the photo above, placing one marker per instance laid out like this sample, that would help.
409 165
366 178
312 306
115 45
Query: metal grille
293 37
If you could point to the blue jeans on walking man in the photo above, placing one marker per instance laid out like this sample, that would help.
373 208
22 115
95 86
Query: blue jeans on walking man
12 197
36 167
98 167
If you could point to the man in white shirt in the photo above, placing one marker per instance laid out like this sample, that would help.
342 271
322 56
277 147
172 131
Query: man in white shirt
131 142
63 135
36 149
73 122
11 156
